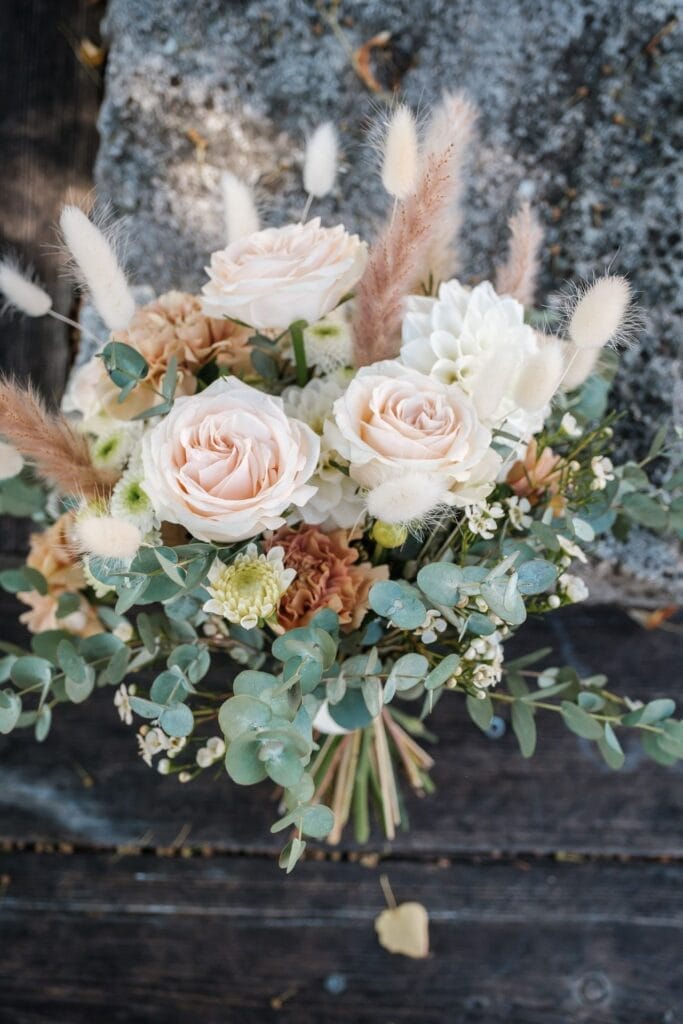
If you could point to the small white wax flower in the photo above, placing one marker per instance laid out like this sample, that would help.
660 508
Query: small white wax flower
216 746
600 313
569 426
320 162
204 758
150 743
554 602
481 519
603 472
518 513
122 702
431 627
163 766
184 777
572 587
107 537
241 215
21 291
98 267
571 549
11 462
248 590
401 162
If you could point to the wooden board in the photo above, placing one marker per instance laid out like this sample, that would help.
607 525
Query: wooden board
86 784
228 941
48 139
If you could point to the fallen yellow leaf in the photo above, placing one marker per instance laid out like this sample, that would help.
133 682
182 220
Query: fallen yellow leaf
404 929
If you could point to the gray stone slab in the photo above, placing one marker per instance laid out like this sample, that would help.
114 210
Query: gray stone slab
578 112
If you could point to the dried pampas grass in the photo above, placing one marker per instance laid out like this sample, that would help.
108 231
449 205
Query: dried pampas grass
518 276
451 130
60 455
395 263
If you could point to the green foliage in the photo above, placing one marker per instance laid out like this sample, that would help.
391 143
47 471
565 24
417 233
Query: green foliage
398 602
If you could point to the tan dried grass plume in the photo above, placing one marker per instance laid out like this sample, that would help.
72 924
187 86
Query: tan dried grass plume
59 454
396 261
518 275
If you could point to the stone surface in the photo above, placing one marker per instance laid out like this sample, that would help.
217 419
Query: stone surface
578 112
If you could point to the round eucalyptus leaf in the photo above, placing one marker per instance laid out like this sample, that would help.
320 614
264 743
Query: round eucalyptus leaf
31 671
440 582
351 712
78 691
398 602
242 714
177 720
407 671
168 686
43 723
253 683
317 821
536 576
242 761
480 625
10 709
283 764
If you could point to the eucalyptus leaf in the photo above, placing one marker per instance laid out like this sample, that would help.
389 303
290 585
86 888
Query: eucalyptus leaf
580 722
480 711
524 727
440 582
317 821
177 720
10 710
610 748
242 761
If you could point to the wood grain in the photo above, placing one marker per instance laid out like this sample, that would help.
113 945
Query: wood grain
153 940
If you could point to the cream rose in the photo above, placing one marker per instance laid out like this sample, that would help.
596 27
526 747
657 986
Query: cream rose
275 277
412 440
226 463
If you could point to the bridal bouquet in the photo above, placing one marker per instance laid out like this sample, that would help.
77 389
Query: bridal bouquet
340 467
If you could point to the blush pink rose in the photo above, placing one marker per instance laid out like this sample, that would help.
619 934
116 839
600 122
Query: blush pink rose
275 277
226 463
397 426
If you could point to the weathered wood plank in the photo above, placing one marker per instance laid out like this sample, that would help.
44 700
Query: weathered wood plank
86 784
145 939
48 109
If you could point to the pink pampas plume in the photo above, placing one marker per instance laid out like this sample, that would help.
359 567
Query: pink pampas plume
517 277
452 128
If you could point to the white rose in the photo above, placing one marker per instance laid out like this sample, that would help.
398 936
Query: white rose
275 277
226 463
413 440
477 339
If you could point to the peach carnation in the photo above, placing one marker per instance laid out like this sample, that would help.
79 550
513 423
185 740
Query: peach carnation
52 553
328 575
535 474
172 325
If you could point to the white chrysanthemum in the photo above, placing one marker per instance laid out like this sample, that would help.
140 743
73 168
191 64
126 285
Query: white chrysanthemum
130 501
337 502
248 590
477 339
573 588
113 446
329 343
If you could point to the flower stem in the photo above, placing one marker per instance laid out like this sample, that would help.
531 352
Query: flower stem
297 334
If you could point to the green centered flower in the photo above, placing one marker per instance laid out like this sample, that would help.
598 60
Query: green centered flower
248 590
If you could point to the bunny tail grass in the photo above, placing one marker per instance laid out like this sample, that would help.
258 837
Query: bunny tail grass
517 277
395 263
59 454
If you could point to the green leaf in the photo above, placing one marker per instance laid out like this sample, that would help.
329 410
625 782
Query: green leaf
503 599
283 765
317 821
351 712
177 720
580 722
169 687
129 595
77 692
480 625
118 666
31 671
43 723
536 576
442 672
371 688
70 662
100 646
167 559
440 582
242 714
524 728
644 510
145 708
146 632
242 761
168 384
291 853
399 602
650 743
123 363
610 748
264 364
528 659
657 710
407 671
546 535
480 711
10 709
24 578
67 604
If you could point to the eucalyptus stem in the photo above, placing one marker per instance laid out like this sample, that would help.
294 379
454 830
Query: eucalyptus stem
556 707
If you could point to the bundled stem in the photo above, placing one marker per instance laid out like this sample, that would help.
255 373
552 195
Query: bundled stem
59 454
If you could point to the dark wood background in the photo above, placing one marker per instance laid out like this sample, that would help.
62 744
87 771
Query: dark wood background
553 886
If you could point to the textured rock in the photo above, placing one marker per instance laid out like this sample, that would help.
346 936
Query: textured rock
578 113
